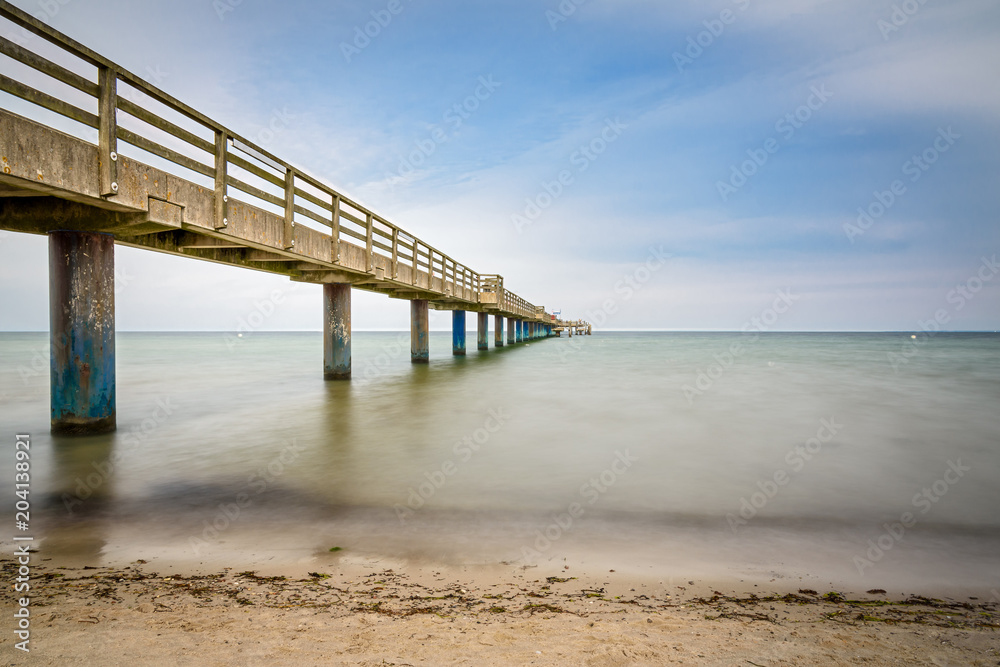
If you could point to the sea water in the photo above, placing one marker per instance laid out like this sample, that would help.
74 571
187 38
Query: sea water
859 458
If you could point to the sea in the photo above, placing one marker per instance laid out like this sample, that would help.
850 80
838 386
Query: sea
852 460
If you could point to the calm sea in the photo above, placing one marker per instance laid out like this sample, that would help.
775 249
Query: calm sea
850 458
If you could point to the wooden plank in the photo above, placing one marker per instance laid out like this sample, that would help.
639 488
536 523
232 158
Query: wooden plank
256 170
395 252
45 66
289 230
107 114
46 101
369 224
133 109
221 183
128 136
335 232
251 190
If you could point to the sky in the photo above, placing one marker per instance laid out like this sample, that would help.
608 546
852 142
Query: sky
640 164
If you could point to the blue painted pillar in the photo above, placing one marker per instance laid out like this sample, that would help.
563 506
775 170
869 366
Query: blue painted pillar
483 339
419 335
336 331
520 330
498 330
458 333
82 332
511 333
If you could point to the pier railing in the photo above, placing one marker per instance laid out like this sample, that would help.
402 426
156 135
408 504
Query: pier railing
133 112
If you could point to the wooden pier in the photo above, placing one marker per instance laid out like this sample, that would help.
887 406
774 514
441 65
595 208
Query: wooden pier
208 193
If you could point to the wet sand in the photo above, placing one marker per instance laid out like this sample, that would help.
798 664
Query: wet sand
366 611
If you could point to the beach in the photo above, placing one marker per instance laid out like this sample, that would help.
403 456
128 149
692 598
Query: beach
378 612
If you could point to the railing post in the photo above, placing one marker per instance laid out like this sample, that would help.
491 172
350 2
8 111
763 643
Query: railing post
414 254
335 232
395 252
221 171
289 233
107 111
369 225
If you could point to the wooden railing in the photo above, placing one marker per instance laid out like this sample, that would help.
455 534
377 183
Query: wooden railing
147 118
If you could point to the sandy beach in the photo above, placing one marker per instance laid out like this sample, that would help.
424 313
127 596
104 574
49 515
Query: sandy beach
365 611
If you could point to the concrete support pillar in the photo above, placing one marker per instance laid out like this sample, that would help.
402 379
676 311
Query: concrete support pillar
511 333
498 330
336 331
520 331
570 332
419 335
458 333
483 340
82 332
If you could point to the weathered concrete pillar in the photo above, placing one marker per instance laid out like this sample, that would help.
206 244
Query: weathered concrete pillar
520 331
419 336
82 332
483 340
337 331
498 330
511 334
458 333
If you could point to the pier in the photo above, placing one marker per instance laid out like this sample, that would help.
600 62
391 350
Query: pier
202 191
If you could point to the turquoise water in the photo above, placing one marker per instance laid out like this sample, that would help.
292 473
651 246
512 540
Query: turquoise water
661 450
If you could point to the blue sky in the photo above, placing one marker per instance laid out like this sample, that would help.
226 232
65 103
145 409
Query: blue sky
823 104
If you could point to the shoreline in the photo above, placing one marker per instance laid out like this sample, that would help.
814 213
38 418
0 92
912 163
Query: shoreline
356 610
